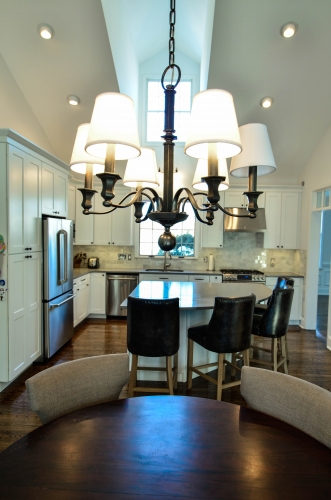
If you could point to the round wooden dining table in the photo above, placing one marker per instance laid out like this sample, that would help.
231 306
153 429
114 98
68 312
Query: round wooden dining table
166 447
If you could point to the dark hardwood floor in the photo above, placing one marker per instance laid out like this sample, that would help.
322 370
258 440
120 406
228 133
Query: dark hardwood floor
322 316
309 359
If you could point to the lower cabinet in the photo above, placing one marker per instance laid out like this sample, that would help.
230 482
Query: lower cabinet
98 293
81 291
90 296
296 309
24 311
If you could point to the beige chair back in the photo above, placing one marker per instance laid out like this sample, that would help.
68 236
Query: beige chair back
297 402
70 386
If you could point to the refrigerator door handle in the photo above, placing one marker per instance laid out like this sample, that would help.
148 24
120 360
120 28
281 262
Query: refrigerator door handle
62 245
52 306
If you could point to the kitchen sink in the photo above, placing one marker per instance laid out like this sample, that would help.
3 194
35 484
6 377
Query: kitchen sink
165 270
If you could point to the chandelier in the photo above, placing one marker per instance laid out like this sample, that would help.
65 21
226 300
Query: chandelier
213 136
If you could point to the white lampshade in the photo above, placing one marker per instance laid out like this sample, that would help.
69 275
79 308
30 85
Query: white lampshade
113 122
256 151
80 158
213 121
142 171
202 171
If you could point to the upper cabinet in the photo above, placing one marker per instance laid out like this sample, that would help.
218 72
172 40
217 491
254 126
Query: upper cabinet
24 227
110 229
234 198
282 218
212 236
54 191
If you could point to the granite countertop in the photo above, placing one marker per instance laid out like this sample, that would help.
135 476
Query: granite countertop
271 274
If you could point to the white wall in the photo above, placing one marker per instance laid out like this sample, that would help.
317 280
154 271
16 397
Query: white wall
15 112
316 175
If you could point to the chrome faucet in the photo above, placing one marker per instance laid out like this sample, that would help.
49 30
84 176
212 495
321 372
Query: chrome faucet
165 265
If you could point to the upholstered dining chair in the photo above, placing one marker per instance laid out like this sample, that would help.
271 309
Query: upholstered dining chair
153 331
228 332
273 324
77 384
295 401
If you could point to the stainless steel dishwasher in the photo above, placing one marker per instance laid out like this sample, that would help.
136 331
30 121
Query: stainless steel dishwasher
119 286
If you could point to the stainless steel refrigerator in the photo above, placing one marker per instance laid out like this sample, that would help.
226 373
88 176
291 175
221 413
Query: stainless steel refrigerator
57 283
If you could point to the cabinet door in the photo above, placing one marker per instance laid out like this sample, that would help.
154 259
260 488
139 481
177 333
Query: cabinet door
102 223
121 227
81 302
23 202
48 181
54 187
33 269
289 221
16 162
71 202
98 293
61 193
199 278
32 204
273 219
212 236
235 198
216 279
17 314
83 224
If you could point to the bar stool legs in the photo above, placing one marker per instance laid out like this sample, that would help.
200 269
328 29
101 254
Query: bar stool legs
171 373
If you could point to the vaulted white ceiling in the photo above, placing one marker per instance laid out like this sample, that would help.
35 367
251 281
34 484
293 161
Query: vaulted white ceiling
248 57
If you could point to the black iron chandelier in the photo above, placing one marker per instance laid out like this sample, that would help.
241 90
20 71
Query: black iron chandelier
213 136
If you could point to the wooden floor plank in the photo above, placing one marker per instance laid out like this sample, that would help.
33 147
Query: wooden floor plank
309 360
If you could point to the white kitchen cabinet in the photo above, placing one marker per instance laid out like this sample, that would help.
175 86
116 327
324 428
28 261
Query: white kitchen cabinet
24 311
162 277
216 279
83 224
81 291
282 218
24 223
296 309
71 202
109 229
54 191
199 278
98 293
212 236
234 198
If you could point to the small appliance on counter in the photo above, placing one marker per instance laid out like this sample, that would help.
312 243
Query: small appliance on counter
93 262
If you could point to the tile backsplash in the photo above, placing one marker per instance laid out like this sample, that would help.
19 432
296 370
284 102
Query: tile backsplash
240 250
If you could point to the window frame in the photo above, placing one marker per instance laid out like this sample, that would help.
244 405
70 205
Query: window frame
153 78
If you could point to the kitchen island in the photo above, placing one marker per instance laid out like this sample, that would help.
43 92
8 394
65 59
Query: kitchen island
196 302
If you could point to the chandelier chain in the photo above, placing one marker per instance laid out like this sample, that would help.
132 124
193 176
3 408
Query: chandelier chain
172 22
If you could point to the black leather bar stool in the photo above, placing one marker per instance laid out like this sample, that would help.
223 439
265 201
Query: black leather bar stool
228 331
273 324
282 282
153 331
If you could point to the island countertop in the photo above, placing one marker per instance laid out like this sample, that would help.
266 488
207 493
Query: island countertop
197 295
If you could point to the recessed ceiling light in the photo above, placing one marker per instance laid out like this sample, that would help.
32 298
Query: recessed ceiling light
73 100
289 29
46 31
266 102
